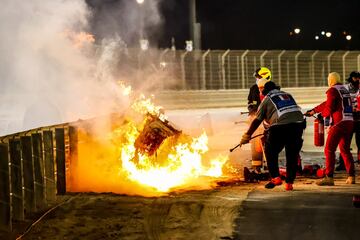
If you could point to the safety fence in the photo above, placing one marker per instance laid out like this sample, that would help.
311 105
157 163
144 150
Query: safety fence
36 167
33 170
233 69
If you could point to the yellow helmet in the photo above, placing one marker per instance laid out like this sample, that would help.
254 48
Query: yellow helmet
262 72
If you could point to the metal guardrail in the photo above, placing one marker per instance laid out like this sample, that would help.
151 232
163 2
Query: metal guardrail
32 171
35 167
230 98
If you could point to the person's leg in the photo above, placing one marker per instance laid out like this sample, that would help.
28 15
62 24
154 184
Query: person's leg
357 138
273 146
344 147
293 145
332 141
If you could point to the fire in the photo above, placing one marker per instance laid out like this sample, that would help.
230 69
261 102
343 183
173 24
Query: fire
114 162
174 165
79 39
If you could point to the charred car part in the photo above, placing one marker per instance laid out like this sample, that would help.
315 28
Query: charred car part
154 133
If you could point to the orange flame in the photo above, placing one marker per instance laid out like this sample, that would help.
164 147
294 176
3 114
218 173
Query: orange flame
79 39
179 160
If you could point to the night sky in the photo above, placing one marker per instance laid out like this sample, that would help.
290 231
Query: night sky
258 24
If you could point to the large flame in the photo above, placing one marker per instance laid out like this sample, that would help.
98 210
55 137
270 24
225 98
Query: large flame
111 162
174 165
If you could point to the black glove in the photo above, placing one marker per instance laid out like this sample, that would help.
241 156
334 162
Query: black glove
309 113
245 139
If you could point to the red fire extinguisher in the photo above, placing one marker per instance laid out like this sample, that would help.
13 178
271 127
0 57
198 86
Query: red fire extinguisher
319 131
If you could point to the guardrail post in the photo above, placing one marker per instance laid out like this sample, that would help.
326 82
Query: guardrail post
279 65
343 65
297 68
243 68
28 174
50 188
5 207
203 68
60 161
223 69
38 161
17 194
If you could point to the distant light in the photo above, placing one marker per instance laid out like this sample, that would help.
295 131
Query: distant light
189 46
297 30
140 1
348 37
328 34
316 37
322 32
144 44
163 64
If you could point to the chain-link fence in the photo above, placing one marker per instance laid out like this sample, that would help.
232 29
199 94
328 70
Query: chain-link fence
233 69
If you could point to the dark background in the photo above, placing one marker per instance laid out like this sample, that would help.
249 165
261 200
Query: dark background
243 24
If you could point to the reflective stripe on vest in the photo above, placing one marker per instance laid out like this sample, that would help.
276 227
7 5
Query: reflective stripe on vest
284 102
346 102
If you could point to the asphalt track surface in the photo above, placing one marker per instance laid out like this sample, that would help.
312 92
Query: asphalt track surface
327 214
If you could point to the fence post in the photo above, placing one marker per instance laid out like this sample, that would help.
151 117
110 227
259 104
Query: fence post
49 176
17 194
343 64
5 207
262 63
243 68
313 66
183 73
223 68
60 161
38 170
297 68
279 65
162 63
203 68
28 174
328 60
73 142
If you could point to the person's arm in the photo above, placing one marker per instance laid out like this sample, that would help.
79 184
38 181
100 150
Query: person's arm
253 99
328 107
260 115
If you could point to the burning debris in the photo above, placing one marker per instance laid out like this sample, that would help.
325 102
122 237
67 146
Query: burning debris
154 133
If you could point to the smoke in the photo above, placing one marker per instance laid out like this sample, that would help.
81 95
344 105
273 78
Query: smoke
52 71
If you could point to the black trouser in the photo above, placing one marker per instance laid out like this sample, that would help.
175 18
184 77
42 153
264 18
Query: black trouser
357 141
357 137
278 137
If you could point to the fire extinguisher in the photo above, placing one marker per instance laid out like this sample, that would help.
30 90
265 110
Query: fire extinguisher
319 131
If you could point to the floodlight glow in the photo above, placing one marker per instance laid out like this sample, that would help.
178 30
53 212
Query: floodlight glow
328 34
316 37
189 46
140 1
322 32
348 37
297 30
144 44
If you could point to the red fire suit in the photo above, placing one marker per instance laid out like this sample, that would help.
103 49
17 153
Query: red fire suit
339 108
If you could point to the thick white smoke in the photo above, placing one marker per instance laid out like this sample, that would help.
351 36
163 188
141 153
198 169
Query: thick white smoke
45 77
